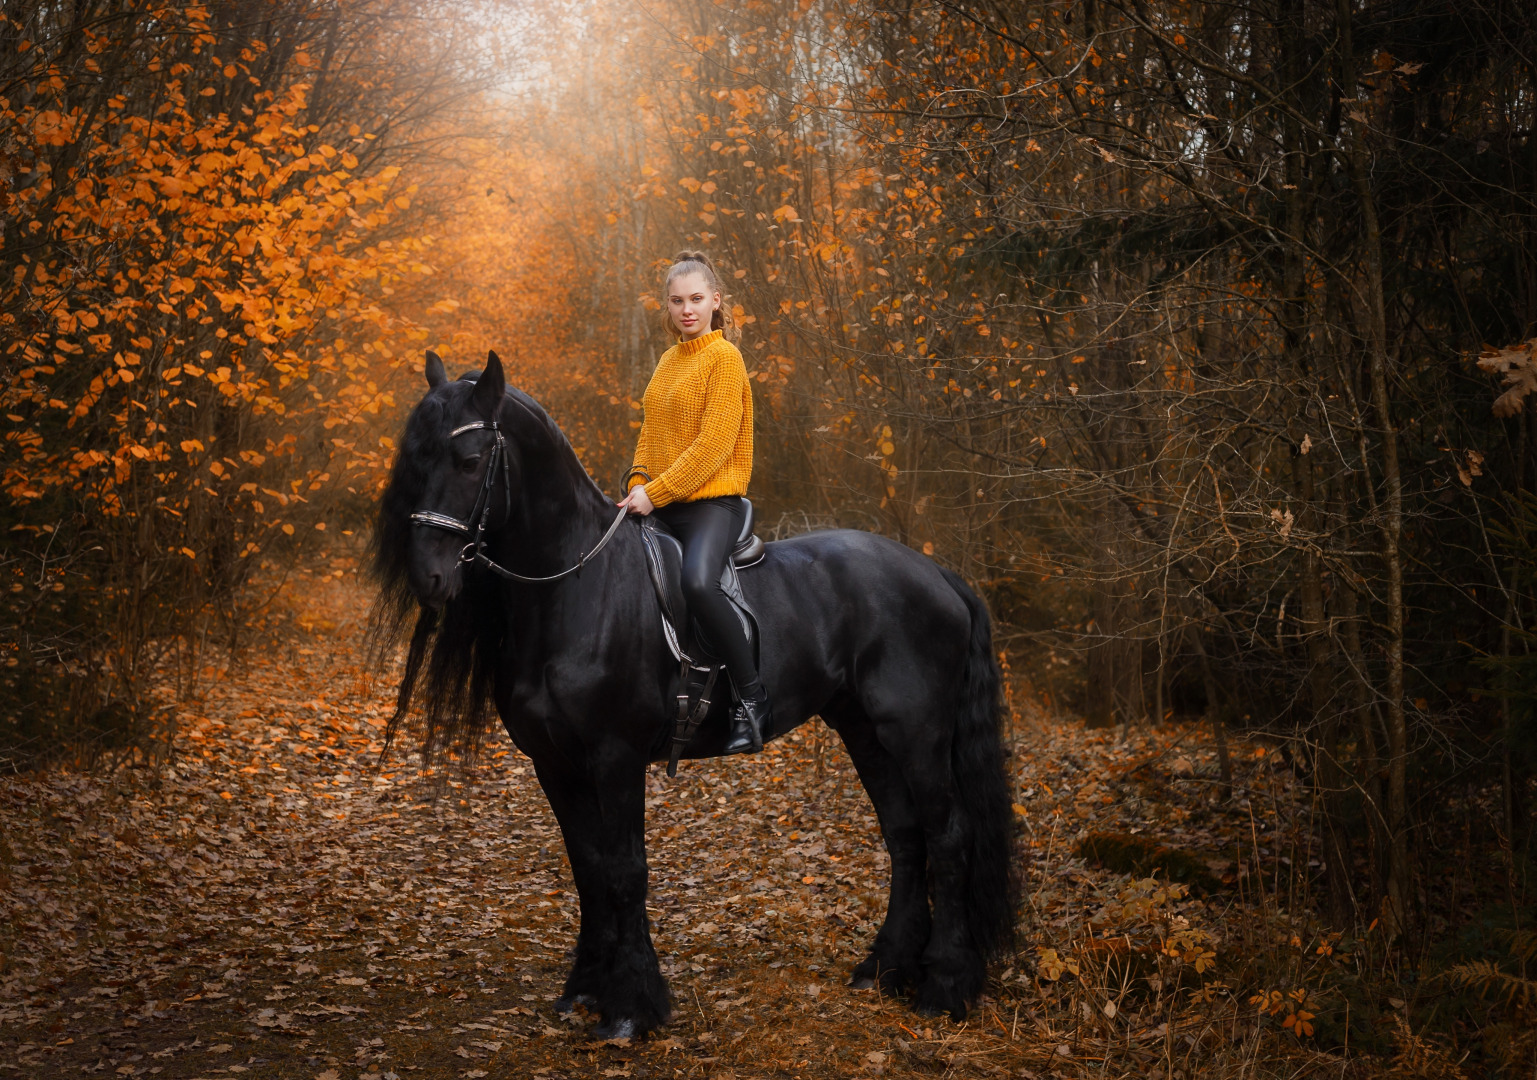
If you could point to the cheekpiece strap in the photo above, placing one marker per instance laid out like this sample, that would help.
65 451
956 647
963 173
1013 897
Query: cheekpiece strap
483 502
474 551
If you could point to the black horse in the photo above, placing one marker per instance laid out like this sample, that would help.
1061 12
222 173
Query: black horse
891 650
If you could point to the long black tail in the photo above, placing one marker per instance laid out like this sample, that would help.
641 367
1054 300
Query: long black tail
977 764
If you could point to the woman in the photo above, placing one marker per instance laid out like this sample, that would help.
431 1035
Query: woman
692 464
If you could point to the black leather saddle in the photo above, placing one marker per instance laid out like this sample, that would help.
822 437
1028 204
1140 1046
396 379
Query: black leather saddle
699 667
664 558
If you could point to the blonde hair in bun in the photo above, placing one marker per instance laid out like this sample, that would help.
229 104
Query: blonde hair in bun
697 262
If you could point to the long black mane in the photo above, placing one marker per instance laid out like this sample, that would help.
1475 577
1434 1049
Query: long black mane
457 646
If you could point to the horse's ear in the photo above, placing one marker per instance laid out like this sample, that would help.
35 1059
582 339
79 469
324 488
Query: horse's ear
436 376
489 388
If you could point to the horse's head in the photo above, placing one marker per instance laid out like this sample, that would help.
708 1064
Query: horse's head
455 473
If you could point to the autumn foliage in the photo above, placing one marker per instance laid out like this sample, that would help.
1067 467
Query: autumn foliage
1190 332
202 234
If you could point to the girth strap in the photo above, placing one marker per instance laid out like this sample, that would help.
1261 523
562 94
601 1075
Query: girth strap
691 713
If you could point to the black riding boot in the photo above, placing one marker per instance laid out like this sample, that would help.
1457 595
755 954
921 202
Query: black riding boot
752 721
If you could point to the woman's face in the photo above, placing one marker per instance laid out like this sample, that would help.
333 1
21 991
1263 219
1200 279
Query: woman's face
690 303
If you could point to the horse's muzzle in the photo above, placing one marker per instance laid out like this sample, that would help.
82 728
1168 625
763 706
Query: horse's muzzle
435 582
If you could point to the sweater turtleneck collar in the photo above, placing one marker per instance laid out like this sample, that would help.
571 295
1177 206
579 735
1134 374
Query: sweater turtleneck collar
700 343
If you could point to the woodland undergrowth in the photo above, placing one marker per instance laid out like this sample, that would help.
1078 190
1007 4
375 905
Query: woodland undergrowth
273 899
1212 433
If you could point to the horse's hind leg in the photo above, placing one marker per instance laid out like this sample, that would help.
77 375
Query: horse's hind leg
895 960
953 971
616 970
933 825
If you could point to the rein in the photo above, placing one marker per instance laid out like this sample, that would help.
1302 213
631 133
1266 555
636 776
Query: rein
475 550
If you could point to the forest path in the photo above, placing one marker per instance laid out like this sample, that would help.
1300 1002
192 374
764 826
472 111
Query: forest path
278 904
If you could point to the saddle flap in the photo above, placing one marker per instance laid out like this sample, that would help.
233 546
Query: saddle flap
664 560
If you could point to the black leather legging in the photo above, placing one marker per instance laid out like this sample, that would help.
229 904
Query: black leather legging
707 529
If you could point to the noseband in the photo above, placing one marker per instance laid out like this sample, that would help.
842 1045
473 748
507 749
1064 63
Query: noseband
475 550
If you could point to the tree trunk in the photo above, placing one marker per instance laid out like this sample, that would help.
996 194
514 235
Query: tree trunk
1328 777
1391 511
1368 763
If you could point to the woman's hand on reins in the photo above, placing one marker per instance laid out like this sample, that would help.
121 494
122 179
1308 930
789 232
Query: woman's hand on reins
637 501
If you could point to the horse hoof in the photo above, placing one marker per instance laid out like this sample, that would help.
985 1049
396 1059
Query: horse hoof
932 1001
616 1029
872 973
566 1004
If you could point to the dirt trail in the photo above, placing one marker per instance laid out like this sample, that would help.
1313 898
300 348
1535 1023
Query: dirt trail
277 904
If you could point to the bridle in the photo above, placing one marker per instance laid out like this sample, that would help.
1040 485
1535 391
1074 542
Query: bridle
475 550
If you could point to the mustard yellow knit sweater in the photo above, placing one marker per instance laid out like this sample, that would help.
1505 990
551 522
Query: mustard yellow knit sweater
696 433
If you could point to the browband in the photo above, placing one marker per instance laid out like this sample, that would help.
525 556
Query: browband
442 521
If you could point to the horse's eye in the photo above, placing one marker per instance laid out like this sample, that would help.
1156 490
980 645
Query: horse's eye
468 464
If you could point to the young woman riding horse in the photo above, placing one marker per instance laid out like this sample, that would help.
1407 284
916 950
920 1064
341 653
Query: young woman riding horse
692 464
531 602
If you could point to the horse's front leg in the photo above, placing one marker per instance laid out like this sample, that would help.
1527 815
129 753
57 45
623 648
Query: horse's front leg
616 971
